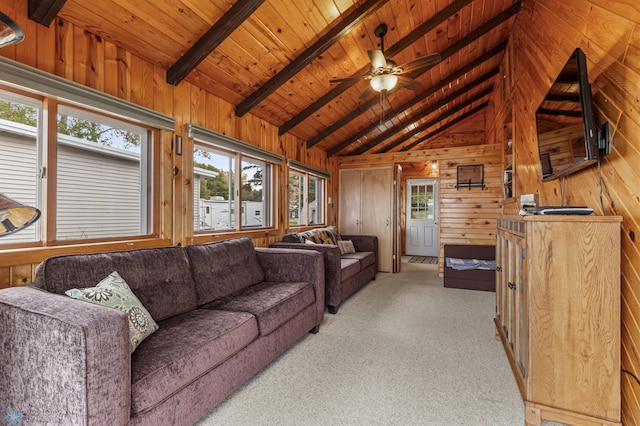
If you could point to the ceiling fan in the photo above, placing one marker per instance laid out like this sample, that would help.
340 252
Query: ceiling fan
385 75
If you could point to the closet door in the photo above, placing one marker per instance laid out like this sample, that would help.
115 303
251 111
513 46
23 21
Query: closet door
377 212
349 207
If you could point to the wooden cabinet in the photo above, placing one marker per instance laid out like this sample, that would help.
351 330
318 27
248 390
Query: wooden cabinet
558 315
367 206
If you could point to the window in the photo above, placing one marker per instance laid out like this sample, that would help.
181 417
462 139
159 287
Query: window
306 196
316 200
255 192
230 176
103 177
213 178
296 198
102 169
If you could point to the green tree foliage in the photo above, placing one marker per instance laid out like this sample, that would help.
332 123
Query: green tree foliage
295 197
213 186
96 132
72 126
18 113
252 186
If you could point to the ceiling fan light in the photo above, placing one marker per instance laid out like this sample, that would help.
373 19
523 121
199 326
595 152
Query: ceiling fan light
10 32
383 82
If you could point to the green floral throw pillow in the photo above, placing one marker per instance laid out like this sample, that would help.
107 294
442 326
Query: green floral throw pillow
114 292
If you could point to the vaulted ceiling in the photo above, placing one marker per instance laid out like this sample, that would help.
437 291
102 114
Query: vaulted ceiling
275 59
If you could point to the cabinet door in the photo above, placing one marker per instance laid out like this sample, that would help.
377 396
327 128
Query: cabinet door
510 296
520 331
376 212
501 284
350 196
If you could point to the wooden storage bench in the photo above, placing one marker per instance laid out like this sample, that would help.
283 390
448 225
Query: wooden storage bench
472 279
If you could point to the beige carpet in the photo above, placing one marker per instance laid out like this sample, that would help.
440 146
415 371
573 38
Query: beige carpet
402 351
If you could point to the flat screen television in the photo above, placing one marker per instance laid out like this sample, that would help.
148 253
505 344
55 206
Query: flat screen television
565 121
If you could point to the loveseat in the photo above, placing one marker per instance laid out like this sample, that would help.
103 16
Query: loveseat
346 272
224 310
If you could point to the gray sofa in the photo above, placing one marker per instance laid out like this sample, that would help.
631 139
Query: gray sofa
224 310
345 274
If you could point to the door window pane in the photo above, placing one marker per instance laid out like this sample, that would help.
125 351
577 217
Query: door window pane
422 206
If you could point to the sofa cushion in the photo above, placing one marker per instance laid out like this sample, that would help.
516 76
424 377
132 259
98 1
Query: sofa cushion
222 268
159 277
366 258
327 235
114 292
350 267
346 246
272 303
184 348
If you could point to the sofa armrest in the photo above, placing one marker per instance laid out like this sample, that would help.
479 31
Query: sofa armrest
332 268
64 361
288 265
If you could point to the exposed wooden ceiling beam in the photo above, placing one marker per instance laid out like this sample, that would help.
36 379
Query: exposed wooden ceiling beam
447 125
433 89
559 112
44 11
385 136
423 113
420 31
441 117
231 20
346 24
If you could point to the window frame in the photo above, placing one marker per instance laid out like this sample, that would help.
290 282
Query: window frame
148 165
307 173
46 137
241 151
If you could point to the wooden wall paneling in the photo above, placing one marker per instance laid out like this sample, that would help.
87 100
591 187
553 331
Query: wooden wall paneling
5 277
123 73
630 305
632 58
95 63
26 50
21 275
80 55
44 43
162 93
64 49
111 69
609 31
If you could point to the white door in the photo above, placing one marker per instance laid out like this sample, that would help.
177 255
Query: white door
422 217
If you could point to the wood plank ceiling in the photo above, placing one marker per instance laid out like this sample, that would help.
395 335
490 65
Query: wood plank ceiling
275 59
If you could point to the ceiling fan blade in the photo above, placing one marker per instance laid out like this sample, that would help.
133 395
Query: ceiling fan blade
407 83
422 62
341 80
377 59
367 92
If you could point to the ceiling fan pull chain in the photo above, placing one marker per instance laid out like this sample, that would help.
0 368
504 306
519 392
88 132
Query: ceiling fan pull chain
381 107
